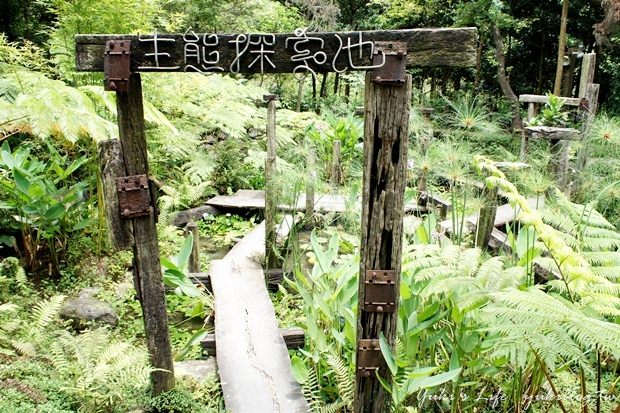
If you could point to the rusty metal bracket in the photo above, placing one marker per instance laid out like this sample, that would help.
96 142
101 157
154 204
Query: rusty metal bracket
369 357
116 65
380 291
134 196
393 69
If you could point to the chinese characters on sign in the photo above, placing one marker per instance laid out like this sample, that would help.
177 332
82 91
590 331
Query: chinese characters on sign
302 53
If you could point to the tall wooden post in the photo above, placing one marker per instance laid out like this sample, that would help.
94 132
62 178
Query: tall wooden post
385 167
194 256
486 218
270 195
335 166
310 186
147 269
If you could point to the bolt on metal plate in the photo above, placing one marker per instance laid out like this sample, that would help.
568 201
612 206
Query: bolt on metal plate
380 291
134 198
369 357
116 65
394 68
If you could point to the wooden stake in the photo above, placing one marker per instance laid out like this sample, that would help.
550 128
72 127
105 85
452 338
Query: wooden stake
310 185
335 176
385 167
194 256
557 88
147 269
486 218
270 169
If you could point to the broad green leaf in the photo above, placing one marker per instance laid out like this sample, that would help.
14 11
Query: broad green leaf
186 250
439 379
386 350
21 180
299 369
55 211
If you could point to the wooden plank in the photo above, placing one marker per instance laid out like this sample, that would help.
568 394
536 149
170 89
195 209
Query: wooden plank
551 133
253 361
544 99
147 268
386 123
452 47
294 338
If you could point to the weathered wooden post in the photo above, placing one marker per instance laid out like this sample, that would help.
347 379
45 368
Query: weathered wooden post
136 205
310 186
335 166
486 217
194 256
270 187
588 68
386 122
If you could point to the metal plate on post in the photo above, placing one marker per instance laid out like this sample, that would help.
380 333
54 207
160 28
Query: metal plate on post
393 69
369 357
380 291
116 65
134 197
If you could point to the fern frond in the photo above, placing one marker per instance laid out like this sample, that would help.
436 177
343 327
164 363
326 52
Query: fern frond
45 312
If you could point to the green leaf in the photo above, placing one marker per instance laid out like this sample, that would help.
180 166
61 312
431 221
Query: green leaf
186 250
21 180
386 350
299 369
439 379
55 211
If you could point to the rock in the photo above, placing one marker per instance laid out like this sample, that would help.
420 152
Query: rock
183 217
89 292
198 370
86 308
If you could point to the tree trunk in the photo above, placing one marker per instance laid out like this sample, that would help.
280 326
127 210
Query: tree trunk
503 79
557 88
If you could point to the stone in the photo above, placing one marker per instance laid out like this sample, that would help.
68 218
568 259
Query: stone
199 370
86 308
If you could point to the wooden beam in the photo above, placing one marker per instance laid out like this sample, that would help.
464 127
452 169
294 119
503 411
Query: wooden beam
294 338
147 269
551 133
452 47
386 123
544 99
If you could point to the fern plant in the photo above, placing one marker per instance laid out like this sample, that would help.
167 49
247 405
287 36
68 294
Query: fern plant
101 372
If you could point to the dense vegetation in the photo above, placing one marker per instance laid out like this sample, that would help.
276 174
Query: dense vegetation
534 329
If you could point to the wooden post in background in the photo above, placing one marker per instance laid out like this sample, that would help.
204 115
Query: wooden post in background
310 186
386 124
588 67
335 166
270 195
146 267
194 256
486 218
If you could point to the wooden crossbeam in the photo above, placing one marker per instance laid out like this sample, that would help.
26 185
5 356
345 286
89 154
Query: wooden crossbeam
544 99
279 53
294 338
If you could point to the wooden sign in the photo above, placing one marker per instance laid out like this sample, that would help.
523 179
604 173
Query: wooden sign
301 52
